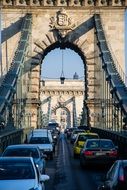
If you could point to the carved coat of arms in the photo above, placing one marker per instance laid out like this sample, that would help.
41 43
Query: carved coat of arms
62 22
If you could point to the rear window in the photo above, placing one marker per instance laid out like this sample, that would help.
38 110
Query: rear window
39 140
93 144
85 137
100 144
106 144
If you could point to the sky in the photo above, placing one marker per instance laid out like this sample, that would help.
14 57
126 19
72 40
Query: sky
52 64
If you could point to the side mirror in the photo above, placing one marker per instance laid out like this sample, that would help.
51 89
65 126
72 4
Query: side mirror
44 178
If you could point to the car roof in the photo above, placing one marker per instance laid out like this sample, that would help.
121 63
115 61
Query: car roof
99 139
40 135
123 161
18 159
87 133
79 130
40 131
22 146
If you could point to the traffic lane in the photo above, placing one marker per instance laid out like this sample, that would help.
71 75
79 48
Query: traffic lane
89 177
65 171
51 170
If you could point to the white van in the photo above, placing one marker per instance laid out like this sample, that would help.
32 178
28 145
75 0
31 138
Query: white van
43 138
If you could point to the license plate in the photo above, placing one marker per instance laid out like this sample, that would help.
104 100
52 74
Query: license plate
100 153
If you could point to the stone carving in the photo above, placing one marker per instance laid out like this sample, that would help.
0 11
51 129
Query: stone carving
62 22
60 100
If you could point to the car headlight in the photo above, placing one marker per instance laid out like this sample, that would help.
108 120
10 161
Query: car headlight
37 165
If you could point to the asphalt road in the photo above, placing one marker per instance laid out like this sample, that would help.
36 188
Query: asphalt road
65 171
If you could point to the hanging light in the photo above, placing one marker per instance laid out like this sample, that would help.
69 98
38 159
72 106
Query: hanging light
62 78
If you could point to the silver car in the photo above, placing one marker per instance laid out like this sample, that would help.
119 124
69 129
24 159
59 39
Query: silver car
20 173
27 150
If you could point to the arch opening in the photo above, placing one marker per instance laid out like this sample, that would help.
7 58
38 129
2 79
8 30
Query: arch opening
63 91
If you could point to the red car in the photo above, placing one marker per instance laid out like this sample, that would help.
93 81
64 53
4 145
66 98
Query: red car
98 151
116 177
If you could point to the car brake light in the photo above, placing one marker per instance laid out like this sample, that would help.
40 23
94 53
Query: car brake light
88 153
113 153
121 175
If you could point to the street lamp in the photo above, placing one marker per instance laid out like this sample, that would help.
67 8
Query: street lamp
62 78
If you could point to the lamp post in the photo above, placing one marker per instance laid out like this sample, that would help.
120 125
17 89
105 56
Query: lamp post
62 78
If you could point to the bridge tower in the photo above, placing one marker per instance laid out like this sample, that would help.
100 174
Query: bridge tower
62 23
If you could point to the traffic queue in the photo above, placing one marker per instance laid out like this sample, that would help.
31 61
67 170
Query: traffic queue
93 150
23 166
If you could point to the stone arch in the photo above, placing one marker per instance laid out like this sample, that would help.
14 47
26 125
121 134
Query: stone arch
75 40
64 108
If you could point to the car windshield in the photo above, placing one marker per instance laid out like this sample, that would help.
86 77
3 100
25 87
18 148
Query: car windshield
39 140
22 152
16 171
103 144
85 137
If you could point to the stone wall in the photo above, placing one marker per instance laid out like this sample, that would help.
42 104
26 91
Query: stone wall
61 94
77 31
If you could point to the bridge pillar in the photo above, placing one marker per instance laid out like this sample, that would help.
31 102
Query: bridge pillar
33 100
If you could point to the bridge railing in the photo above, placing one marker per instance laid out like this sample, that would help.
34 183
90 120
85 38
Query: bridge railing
119 139
115 61
13 137
116 82
7 88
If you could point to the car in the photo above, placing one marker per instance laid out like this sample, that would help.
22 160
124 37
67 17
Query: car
74 135
69 132
26 150
98 151
85 127
20 173
55 136
43 132
80 140
116 177
44 143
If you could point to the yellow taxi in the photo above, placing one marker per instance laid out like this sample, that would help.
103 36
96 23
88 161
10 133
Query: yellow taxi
80 140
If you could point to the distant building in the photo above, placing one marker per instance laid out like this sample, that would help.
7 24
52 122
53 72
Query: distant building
75 76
